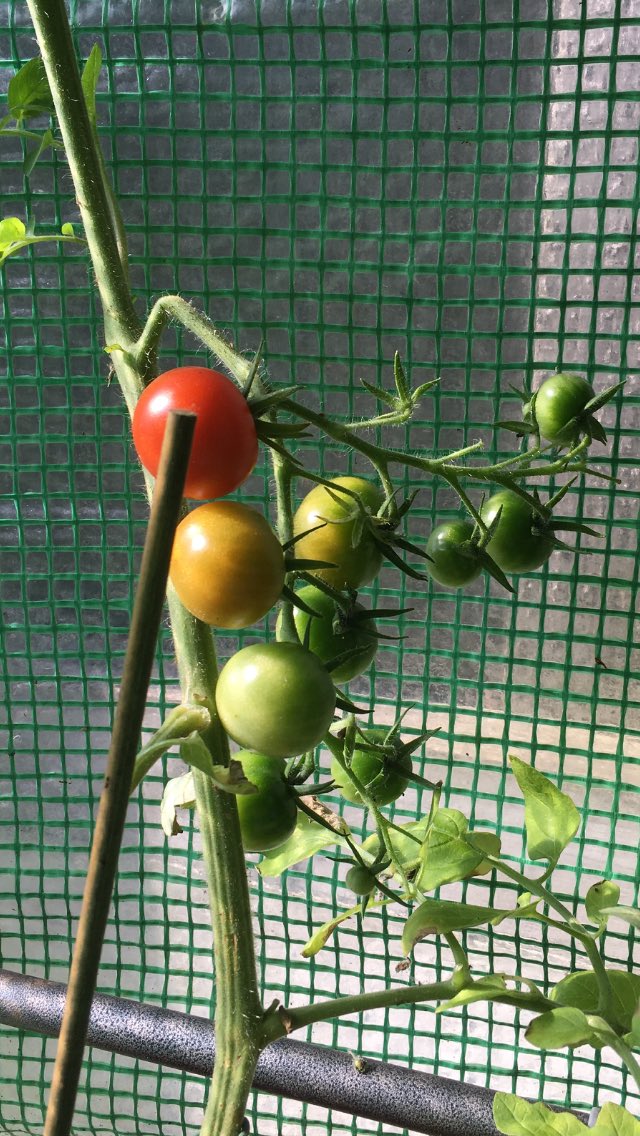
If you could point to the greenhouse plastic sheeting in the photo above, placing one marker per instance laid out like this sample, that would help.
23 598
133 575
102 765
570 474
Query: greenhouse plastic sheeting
455 180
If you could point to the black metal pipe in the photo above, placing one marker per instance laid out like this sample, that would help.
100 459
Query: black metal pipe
316 1074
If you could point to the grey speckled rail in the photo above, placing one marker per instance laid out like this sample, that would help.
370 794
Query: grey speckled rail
312 1073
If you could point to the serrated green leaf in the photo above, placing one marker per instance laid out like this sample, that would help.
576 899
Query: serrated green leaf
439 916
11 229
563 1028
551 819
580 989
321 937
90 76
516 1117
614 1120
33 155
307 838
28 94
630 915
446 857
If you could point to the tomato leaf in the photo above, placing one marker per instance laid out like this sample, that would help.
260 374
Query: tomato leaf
613 1120
90 76
32 156
516 1117
29 94
487 988
446 857
550 817
321 937
630 915
306 839
580 989
601 896
563 1028
438 916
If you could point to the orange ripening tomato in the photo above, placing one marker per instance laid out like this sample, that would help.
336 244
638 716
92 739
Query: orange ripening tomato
227 564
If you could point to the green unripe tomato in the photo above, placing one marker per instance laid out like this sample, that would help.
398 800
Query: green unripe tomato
384 778
332 532
520 543
559 400
360 880
268 817
448 565
331 633
275 698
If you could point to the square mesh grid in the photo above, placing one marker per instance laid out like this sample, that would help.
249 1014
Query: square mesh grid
453 179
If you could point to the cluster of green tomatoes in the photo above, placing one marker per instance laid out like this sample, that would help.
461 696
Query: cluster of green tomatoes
277 700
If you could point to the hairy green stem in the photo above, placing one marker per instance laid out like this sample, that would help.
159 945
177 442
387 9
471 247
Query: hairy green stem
626 1056
379 455
175 307
302 1016
238 1016
572 927
52 29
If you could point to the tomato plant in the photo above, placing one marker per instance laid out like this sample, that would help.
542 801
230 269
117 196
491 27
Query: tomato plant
268 817
225 443
521 542
453 562
383 775
337 535
559 407
336 631
227 564
276 698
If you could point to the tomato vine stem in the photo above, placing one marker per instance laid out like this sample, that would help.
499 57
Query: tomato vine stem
239 1014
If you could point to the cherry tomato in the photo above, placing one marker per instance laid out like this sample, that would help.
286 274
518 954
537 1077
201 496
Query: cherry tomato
360 880
275 698
268 817
450 566
227 564
384 777
332 633
520 543
333 541
225 444
559 400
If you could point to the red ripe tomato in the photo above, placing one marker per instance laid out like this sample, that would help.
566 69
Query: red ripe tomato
225 443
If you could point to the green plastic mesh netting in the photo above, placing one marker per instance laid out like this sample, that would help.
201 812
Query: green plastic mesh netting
456 180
